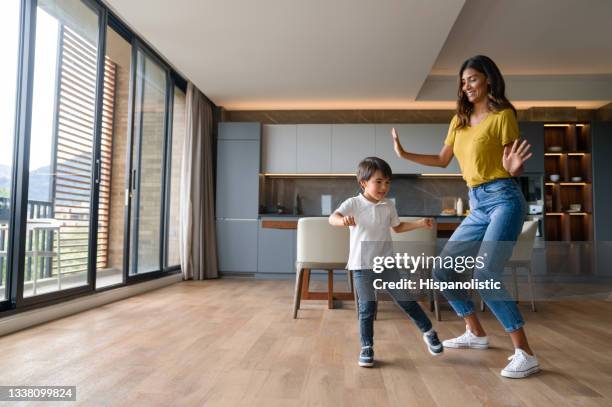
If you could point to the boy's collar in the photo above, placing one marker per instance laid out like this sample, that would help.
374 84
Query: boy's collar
381 202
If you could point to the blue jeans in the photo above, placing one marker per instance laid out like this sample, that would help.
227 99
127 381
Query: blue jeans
497 212
364 280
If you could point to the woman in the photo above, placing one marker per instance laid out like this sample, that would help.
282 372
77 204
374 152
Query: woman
484 136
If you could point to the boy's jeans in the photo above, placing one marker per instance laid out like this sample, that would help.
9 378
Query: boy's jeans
497 212
366 293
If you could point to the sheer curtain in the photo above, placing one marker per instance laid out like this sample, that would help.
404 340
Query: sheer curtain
198 240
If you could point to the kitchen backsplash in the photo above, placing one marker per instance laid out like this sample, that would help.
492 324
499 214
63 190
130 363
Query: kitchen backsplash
419 196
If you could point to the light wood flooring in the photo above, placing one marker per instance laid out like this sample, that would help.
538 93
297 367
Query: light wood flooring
232 342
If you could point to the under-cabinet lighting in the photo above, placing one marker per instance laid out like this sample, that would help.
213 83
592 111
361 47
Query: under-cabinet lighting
552 154
578 213
440 175
555 213
575 153
556 125
573 183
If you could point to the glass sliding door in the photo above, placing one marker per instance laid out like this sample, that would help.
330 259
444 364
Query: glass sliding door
147 164
9 49
62 143
115 144
172 257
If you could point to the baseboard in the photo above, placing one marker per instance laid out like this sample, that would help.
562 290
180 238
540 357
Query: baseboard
28 319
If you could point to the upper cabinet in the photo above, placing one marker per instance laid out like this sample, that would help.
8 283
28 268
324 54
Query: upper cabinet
351 143
338 148
314 148
415 138
279 148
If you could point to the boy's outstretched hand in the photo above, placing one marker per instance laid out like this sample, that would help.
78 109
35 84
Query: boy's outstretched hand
426 223
348 221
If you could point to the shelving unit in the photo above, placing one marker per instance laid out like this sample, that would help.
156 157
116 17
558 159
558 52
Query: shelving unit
567 154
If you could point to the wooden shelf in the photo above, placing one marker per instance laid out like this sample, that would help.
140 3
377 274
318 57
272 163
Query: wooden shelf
573 160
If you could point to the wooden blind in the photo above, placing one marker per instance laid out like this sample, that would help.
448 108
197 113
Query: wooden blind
74 150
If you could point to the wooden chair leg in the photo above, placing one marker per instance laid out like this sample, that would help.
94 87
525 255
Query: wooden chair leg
298 291
330 289
531 290
305 284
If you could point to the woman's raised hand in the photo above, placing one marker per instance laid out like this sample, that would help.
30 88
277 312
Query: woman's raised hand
397 146
515 156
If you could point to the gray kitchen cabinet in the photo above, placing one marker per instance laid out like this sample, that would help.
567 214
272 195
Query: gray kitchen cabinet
277 250
351 143
533 132
239 131
601 148
238 179
237 245
415 138
314 148
279 148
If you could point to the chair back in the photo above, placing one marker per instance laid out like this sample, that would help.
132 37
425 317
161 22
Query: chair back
524 243
320 242
420 240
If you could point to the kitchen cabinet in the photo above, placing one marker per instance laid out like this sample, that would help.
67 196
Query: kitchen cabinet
276 250
533 132
239 131
279 149
238 179
415 138
237 245
351 143
314 148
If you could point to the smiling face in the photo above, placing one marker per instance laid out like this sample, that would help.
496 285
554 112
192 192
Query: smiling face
376 188
474 85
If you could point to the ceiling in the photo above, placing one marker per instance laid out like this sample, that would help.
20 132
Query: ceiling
383 54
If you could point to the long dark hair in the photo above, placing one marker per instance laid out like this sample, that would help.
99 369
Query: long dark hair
496 94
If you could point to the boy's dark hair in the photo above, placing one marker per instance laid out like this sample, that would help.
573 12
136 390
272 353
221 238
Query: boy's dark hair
369 165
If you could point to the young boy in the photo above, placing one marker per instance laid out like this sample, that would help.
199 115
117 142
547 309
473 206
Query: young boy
370 216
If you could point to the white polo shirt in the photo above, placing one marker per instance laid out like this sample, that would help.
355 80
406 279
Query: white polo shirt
373 222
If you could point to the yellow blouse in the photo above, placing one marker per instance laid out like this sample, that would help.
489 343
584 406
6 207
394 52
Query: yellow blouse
480 149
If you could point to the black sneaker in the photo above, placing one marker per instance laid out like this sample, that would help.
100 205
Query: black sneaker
366 357
433 343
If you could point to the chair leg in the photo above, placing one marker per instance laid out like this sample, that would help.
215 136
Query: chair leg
515 282
482 306
298 291
531 291
436 306
330 289
355 296
349 280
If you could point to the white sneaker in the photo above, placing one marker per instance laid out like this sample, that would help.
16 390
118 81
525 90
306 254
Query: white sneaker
521 365
467 340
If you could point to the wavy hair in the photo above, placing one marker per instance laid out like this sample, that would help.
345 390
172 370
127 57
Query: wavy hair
496 92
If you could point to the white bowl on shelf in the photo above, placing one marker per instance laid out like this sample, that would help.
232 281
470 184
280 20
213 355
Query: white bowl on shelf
576 179
555 149
555 177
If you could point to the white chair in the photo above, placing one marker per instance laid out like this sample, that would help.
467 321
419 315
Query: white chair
418 241
320 246
521 258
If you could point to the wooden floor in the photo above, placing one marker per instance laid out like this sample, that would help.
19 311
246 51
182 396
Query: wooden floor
233 342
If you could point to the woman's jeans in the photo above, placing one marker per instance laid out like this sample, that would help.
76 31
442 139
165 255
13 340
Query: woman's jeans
364 280
497 212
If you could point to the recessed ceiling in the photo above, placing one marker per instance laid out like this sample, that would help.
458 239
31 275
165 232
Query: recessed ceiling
363 54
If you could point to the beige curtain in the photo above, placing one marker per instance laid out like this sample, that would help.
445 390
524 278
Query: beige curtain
198 240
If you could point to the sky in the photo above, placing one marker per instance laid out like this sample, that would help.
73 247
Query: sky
44 83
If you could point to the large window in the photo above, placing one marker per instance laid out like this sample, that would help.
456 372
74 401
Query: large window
115 144
92 124
9 49
62 147
176 161
148 163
